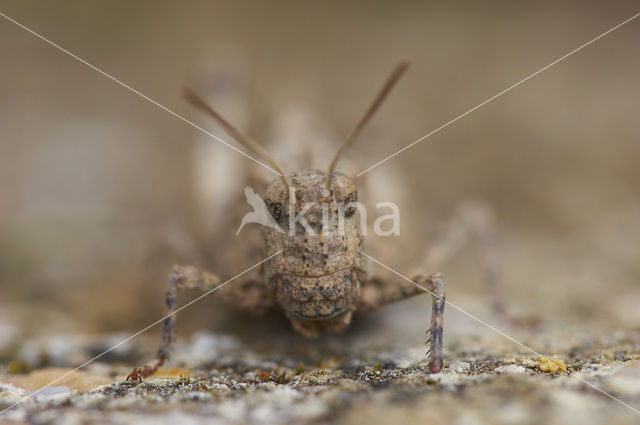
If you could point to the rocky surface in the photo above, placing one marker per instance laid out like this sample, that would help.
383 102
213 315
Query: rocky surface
220 378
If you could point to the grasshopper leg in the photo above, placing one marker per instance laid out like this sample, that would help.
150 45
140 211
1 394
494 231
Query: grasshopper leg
180 277
435 285
475 221
471 222
377 293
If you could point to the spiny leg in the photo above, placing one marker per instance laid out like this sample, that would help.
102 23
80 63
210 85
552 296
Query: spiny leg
377 293
435 285
180 277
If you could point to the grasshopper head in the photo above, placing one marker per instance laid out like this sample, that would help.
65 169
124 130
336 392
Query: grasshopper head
316 277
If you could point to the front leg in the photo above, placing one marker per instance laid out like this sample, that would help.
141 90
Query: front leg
435 285
181 277
377 293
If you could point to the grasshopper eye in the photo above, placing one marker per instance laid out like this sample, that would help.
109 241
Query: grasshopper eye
348 203
345 193
275 208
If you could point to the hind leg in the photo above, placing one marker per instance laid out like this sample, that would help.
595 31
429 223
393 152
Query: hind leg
473 222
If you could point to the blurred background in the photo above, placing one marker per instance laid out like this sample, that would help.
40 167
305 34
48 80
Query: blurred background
92 176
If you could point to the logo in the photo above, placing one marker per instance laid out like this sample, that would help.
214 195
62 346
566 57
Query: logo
384 225
260 213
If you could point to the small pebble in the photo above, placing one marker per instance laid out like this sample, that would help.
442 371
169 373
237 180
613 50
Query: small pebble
551 365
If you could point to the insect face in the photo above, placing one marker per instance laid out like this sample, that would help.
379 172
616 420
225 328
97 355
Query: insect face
315 277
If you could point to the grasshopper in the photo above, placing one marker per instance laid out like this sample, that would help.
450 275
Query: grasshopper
318 278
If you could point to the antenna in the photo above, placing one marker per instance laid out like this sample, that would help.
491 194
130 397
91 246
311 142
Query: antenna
386 88
247 141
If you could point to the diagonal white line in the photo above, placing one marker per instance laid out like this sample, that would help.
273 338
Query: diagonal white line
499 94
139 332
496 330
114 79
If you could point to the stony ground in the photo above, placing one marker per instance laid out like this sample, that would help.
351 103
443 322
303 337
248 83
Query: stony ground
351 378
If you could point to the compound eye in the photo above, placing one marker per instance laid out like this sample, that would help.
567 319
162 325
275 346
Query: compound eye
275 208
348 203
345 193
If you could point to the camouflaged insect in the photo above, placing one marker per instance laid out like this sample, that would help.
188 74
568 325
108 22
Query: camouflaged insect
318 278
